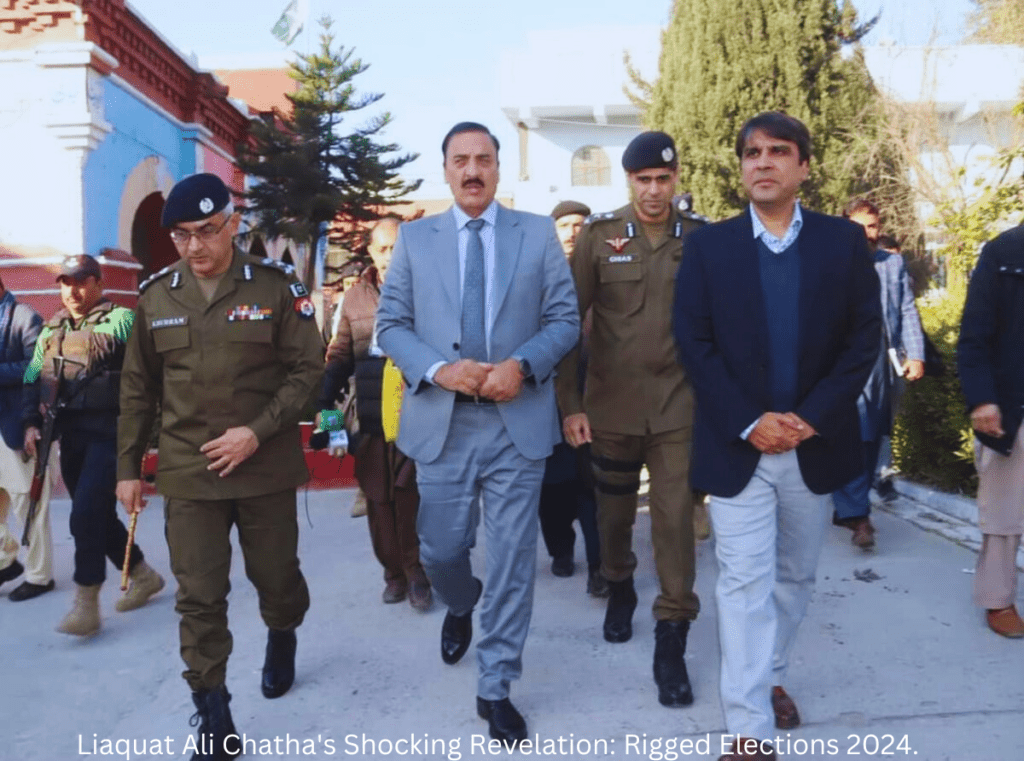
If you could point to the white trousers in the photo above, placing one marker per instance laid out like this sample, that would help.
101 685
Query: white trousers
15 481
767 541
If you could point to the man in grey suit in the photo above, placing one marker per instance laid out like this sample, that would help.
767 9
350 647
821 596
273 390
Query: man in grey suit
477 310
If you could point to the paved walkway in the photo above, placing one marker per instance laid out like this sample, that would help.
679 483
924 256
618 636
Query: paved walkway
892 660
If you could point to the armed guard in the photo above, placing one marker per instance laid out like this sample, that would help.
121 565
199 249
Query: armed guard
71 393
637 407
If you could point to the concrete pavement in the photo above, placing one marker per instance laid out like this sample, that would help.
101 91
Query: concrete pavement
892 660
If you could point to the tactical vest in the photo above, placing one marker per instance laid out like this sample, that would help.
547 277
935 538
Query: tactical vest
89 362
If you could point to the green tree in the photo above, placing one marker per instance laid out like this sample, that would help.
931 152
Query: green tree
722 62
310 169
999 22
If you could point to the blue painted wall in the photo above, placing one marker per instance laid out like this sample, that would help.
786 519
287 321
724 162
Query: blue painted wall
139 132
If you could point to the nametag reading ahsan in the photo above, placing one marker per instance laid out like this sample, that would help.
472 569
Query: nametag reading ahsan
168 322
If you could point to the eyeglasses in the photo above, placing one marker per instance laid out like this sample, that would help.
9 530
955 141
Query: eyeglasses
204 234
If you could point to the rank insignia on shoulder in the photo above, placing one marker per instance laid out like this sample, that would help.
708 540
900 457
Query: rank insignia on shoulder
630 230
285 268
618 244
154 277
599 216
168 322
250 313
695 217
176 279
247 272
298 290
304 308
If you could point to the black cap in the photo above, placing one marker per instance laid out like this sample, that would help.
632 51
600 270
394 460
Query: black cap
566 208
649 150
79 268
196 197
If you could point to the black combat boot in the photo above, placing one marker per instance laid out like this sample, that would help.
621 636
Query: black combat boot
218 739
618 618
279 664
669 665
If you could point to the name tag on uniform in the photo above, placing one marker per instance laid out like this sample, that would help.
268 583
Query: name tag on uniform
250 313
168 322
622 258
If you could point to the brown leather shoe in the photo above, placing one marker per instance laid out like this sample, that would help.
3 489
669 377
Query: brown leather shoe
863 534
1005 622
749 749
786 715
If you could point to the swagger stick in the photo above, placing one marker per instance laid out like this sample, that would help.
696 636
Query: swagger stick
128 550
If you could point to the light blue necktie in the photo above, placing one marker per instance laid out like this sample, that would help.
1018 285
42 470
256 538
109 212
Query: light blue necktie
474 339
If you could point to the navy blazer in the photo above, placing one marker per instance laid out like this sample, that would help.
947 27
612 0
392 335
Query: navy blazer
990 355
720 324
17 342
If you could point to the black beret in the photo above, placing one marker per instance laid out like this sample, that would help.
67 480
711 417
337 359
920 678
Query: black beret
566 208
649 150
79 267
196 197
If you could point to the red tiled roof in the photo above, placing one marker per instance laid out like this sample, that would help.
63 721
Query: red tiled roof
262 89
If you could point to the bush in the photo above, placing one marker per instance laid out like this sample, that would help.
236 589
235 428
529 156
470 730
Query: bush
931 440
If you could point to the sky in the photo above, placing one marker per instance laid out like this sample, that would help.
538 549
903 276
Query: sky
438 63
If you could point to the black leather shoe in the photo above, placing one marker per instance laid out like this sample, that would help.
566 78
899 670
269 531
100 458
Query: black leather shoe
279 664
669 664
562 566
215 726
27 590
457 632
13 571
618 618
504 722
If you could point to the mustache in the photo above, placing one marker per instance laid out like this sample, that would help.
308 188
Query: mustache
473 181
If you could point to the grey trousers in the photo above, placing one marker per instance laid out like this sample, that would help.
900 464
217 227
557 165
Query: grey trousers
767 542
479 465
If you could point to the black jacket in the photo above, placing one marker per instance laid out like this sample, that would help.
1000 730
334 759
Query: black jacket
990 355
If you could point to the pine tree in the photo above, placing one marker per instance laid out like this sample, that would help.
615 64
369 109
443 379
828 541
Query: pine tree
723 62
310 171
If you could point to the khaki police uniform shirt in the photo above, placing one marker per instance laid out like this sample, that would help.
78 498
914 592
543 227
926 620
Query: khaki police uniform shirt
251 356
634 384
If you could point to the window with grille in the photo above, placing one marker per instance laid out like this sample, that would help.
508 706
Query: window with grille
590 166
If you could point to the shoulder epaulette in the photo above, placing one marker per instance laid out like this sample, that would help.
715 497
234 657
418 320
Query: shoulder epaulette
599 216
266 261
154 277
695 216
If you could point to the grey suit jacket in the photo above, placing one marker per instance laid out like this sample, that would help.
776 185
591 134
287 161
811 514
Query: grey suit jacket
535 317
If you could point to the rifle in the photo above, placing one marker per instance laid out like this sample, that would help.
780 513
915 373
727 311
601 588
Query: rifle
45 442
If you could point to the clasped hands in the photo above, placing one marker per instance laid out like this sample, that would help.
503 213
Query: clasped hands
778 432
499 382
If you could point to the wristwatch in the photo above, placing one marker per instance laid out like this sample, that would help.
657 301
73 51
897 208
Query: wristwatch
524 368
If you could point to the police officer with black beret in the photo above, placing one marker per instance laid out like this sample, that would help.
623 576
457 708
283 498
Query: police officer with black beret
227 345
637 407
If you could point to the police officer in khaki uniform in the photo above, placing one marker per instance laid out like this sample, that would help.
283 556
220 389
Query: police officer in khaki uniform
226 343
637 406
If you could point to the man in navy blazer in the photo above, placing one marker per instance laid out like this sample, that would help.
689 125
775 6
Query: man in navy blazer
477 310
777 317
20 325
